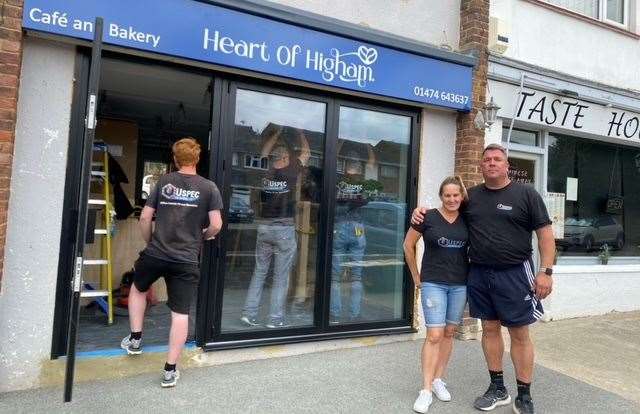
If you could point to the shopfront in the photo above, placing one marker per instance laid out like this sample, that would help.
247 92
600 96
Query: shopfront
579 145
346 105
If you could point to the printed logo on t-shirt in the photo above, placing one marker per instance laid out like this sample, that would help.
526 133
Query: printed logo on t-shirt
451 244
505 207
273 186
179 196
348 191
347 188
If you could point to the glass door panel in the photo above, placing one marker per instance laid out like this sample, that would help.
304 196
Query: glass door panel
273 198
367 270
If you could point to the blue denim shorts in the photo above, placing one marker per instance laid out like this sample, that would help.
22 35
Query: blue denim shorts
442 304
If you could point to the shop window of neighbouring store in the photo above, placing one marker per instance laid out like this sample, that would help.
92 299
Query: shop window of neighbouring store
521 137
600 185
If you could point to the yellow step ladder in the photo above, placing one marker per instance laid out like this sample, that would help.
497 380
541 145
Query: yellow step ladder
100 173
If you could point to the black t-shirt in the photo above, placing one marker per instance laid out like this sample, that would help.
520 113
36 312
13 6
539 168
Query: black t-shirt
279 190
501 221
445 249
350 196
182 203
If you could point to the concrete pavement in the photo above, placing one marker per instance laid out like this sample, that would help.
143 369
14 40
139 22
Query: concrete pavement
381 379
603 351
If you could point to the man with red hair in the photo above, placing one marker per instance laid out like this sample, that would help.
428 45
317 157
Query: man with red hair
187 211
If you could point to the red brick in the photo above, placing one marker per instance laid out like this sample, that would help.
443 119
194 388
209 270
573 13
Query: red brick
9 69
6 136
10 58
7 124
8 92
10 45
12 23
17 3
11 11
10 34
7 114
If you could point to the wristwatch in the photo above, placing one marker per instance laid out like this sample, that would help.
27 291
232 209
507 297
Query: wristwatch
546 270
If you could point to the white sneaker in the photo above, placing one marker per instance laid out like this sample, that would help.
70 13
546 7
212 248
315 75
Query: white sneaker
439 388
423 402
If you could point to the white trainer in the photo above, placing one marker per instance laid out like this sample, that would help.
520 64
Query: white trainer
423 402
439 388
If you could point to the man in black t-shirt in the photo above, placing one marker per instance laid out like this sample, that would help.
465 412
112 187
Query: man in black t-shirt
502 287
276 234
187 211
349 238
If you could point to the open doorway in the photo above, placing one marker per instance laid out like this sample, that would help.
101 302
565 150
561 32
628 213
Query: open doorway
143 109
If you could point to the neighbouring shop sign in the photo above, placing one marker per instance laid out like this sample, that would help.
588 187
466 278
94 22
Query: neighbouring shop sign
204 32
567 113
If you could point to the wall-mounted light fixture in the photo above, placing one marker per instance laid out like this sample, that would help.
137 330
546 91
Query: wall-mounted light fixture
487 115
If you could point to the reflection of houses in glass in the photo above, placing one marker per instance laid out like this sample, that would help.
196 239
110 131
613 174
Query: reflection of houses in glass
379 166
252 167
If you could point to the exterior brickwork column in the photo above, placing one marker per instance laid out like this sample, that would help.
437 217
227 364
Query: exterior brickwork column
474 38
10 62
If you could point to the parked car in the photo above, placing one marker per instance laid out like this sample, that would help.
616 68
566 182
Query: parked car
147 182
239 210
384 227
592 232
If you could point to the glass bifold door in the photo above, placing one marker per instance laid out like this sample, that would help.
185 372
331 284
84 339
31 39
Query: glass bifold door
315 194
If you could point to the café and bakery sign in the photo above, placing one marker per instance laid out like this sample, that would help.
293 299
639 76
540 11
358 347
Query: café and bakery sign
566 112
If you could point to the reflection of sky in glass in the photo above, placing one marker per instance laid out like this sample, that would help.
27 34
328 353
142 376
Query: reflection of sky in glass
372 127
258 109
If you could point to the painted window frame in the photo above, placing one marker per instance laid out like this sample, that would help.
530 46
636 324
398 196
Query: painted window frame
602 13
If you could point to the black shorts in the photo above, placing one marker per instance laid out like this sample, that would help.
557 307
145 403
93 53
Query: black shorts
181 279
506 295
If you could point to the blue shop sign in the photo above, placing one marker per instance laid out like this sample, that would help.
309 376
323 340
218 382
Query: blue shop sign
195 30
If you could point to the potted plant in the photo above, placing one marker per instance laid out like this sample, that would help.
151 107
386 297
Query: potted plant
605 254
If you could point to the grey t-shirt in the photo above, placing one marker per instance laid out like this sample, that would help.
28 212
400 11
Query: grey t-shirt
182 203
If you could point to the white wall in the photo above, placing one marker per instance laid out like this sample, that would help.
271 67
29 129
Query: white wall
581 290
437 154
421 20
566 44
35 212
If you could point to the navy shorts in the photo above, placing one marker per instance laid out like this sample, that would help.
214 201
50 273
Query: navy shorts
501 294
181 279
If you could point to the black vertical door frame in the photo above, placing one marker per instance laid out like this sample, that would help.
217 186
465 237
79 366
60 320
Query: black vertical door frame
82 205
70 206
211 249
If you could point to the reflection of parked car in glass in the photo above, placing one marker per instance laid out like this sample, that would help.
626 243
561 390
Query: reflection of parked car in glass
147 183
384 227
592 232
239 210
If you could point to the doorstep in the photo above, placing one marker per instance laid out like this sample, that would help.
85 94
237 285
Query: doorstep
114 363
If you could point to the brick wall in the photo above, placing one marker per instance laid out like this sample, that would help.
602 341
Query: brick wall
474 38
10 59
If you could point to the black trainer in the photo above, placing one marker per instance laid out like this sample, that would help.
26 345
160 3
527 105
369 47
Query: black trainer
523 405
492 398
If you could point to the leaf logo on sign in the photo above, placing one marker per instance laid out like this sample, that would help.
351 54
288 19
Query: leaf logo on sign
367 55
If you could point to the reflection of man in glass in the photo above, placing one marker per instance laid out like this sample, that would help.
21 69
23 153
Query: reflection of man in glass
349 240
276 235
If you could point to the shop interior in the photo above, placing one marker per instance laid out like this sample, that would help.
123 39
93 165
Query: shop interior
143 108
